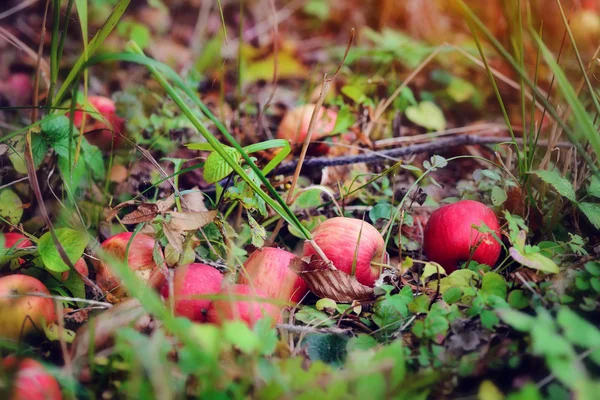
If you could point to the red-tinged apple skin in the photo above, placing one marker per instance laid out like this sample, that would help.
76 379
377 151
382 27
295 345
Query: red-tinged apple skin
80 266
449 237
267 269
18 89
294 125
193 280
11 238
23 314
339 237
97 132
246 305
139 259
31 381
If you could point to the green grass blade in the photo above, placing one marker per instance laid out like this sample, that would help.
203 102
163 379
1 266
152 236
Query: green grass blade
94 44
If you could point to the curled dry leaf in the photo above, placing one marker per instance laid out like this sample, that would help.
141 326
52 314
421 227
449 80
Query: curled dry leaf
327 282
145 212
194 200
180 222
166 204
104 326
115 210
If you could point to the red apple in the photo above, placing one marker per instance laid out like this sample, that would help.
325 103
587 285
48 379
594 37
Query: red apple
97 131
23 314
294 125
193 280
139 260
80 266
450 238
247 304
267 269
18 89
11 238
31 381
339 238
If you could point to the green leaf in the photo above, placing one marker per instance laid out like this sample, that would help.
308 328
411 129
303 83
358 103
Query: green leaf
355 93
432 269
56 128
39 148
328 348
593 188
94 159
317 8
361 342
493 284
395 353
267 336
11 206
593 267
460 90
428 115
518 320
462 278
498 196
420 304
381 211
558 182
74 243
216 168
534 261
592 212
517 299
258 233
489 319
311 316
239 334
345 119
577 330
452 295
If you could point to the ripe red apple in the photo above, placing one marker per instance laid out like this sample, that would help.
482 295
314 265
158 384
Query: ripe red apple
80 266
192 280
294 125
31 381
11 238
339 237
139 260
267 269
247 305
98 132
23 314
18 89
449 237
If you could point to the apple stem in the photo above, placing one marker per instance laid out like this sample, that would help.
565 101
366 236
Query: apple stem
318 250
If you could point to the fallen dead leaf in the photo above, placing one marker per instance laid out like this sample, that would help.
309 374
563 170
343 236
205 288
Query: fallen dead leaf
145 212
328 282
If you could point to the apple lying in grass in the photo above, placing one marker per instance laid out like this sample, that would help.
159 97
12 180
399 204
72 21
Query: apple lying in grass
30 380
140 259
80 266
20 316
100 130
246 304
295 123
450 238
13 238
193 280
267 269
18 89
339 239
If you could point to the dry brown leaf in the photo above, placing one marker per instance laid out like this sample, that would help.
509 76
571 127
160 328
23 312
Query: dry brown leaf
194 200
175 237
105 325
166 204
145 212
190 221
115 210
327 282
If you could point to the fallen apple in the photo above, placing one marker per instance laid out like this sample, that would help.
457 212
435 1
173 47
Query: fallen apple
18 89
246 304
13 238
80 266
267 269
193 280
30 380
450 237
21 315
295 123
339 239
101 130
140 259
